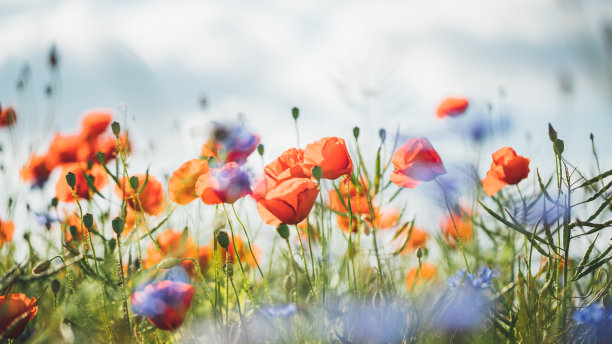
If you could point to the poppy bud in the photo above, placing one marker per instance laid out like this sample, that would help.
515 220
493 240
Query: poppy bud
55 286
71 179
41 267
223 239
382 133
134 183
112 244
283 231
169 263
552 133
591 136
53 58
73 231
317 172
558 146
295 112
356 132
54 202
260 149
419 253
116 127
118 225
88 220
101 157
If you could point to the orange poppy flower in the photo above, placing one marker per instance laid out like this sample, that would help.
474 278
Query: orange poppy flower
331 155
36 170
210 149
289 201
63 191
205 257
16 311
8 117
382 220
451 107
172 244
416 161
243 251
7 228
95 123
358 196
418 238
181 186
465 228
226 184
73 220
288 165
108 145
151 196
506 168
426 273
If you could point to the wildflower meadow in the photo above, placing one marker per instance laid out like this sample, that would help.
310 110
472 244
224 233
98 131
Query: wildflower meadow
318 244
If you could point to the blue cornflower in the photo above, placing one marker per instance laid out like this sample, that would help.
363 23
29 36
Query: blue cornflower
481 280
594 323
45 219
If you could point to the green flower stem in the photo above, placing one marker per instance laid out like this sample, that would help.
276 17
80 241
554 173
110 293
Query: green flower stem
244 279
304 260
253 254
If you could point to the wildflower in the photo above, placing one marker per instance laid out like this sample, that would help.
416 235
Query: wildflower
8 117
416 161
462 223
451 107
482 280
7 228
382 219
181 186
506 168
73 220
16 310
415 275
243 251
288 201
65 149
205 257
226 184
593 324
45 219
418 238
280 311
63 191
94 124
339 199
235 143
331 155
36 171
164 303
150 195
108 146
172 245
290 164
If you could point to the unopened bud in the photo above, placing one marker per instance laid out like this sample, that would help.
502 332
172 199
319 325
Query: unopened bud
419 253
223 239
382 133
88 220
558 146
283 231
356 132
295 112
134 183
55 286
41 267
317 172
552 133
116 127
71 179
260 149
118 225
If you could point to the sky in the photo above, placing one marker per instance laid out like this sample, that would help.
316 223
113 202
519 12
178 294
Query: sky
372 64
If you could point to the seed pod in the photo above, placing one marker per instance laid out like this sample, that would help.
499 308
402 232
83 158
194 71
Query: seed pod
118 225
71 179
223 239
283 231
295 112
116 127
41 267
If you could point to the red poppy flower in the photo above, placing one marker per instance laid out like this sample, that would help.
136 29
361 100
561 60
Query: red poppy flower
464 225
416 161
358 196
226 184
16 311
65 149
451 107
181 186
151 196
7 228
63 191
288 165
418 238
36 171
172 244
164 303
289 201
331 155
8 117
506 168
95 123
